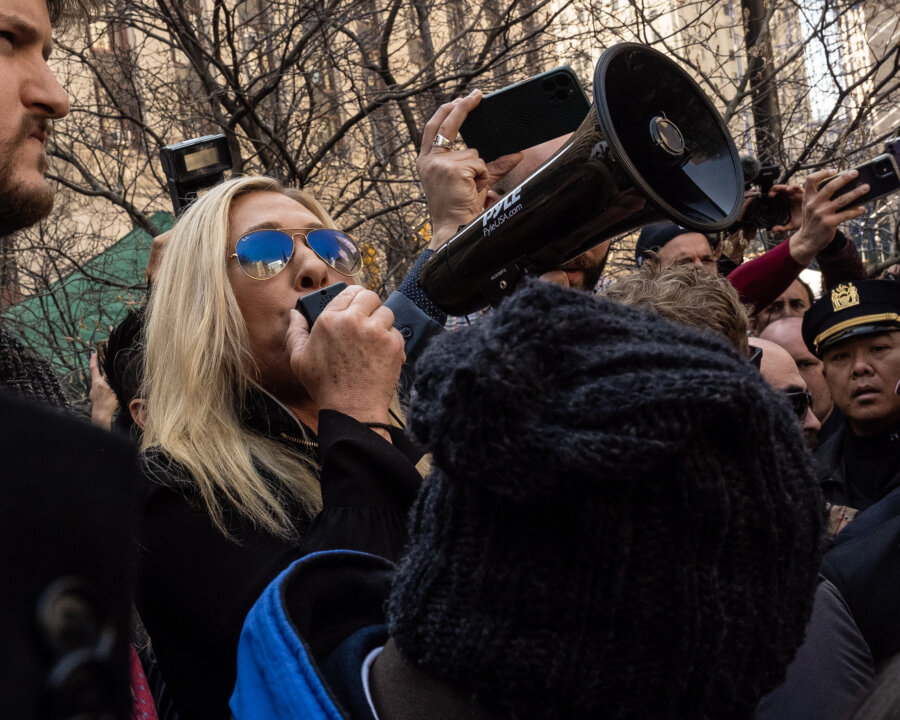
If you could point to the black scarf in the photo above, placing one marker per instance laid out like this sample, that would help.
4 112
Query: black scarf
25 373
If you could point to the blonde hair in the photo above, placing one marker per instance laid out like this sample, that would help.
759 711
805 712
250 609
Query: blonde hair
689 295
198 370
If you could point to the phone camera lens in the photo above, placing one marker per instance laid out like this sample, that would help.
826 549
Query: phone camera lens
562 80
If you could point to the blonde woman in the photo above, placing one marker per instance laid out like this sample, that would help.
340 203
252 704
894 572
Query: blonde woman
263 440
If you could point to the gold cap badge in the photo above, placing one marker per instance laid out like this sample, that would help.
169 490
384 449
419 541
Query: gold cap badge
843 296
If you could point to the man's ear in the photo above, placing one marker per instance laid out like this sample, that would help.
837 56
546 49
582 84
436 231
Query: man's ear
138 410
491 198
753 324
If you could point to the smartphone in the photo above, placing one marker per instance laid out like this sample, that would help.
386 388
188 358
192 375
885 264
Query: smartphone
880 174
527 113
312 305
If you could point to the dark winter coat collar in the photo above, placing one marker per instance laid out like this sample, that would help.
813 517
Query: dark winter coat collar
303 643
828 458
264 414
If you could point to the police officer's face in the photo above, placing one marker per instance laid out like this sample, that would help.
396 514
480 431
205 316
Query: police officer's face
862 374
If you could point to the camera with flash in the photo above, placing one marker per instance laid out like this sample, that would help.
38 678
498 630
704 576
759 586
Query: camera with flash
193 166
763 212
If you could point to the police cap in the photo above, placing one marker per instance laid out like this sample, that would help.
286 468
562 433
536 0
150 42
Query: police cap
849 310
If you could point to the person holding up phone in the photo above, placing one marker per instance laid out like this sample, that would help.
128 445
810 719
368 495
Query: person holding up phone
456 181
103 399
459 185
817 211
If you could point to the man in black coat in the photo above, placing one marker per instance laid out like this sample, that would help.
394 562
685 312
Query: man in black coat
65 522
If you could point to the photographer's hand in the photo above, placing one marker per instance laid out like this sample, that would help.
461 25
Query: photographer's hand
156 251
794 195
822 213
455 181
351 360
556 277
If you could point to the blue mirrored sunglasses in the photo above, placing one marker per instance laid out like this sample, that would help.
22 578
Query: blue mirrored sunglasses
263 254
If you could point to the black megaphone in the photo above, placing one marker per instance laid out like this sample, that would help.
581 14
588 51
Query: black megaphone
652 147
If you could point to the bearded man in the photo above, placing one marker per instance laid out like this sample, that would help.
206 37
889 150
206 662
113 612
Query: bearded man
31 98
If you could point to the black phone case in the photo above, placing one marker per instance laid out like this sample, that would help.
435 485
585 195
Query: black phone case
528 113
313 304
880 174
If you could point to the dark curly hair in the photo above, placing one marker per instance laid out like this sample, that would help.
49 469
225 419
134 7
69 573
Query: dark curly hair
123 364
64 12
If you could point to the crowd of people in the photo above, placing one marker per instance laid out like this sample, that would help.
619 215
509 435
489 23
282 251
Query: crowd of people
671 494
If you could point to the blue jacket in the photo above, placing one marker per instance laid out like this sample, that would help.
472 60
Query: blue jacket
304 641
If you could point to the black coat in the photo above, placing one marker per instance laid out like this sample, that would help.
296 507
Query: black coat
65 528
863 561
838 485
864 565
195 586
831 670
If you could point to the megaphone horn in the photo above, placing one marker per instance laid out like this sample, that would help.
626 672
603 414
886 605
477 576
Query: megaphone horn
652 147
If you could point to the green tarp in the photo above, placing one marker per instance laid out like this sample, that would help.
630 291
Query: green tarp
64 322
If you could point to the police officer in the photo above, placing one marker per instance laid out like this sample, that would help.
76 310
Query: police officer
853 329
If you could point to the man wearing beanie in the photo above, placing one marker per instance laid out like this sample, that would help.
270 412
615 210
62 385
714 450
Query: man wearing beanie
670 244
762 280
590 541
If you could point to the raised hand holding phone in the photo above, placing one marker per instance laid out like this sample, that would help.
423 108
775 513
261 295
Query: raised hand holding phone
456 181
526 113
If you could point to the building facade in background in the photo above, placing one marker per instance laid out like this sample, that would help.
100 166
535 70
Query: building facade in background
332 96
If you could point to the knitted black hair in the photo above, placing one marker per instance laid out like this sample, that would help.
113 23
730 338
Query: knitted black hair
27 374
123 364
622 520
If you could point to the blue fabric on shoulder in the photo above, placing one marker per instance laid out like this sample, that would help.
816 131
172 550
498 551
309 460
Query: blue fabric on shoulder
278 677
275 675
